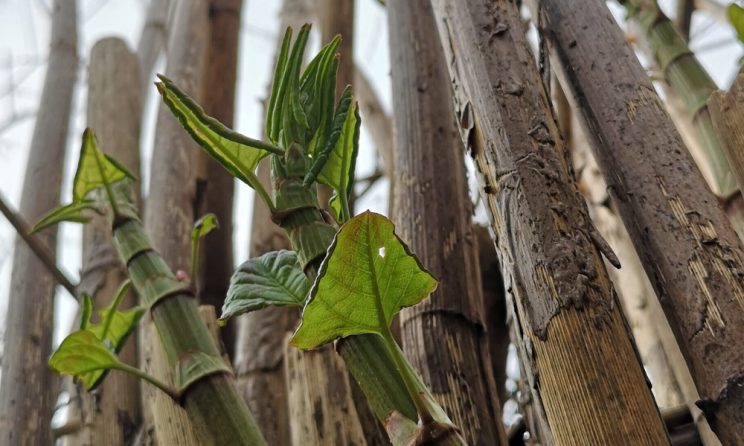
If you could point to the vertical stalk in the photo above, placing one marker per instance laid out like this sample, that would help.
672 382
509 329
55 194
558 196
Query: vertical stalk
571 333
169 210
213 404
27 387
443 336
676 225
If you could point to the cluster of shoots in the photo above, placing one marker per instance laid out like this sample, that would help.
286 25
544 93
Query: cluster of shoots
349 275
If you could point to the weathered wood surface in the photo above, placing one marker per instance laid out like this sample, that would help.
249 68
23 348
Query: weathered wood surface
575 344
27 391
444 337
690 253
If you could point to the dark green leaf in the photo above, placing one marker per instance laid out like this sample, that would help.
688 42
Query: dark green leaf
320 72
338 171
293 119
274 278
235 152
337 127
368 276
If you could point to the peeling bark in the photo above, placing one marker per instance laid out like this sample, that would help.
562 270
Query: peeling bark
686 244
28 385
575 343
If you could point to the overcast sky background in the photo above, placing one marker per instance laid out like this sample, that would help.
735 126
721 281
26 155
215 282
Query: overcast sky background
24 38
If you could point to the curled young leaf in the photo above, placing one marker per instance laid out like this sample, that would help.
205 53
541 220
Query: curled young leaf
368 276
206 224
274 278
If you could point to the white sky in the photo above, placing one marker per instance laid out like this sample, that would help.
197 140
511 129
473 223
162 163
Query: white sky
24 35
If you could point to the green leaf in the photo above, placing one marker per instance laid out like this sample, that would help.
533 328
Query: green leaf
202 227
317 100
368 276
74 212
237 153
117 325
337 128
84 356
274 278
338 171
111 332
736 17
95 169
86 311
292 117
276 99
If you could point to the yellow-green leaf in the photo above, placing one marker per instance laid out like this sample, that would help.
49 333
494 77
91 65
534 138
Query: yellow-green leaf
95 169
206 224
73 212
237 153
368 276
84 356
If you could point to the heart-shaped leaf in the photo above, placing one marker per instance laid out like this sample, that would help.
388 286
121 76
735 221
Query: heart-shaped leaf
274 278
95 170
114 328
368 276
83 355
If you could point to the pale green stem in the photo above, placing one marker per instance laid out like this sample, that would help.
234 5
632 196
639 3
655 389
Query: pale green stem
171 392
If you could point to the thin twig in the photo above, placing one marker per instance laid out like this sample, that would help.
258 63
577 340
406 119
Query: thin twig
37 246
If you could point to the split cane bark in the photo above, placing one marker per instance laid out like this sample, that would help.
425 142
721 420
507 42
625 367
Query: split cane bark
575 344
444 336
687 246
27 390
